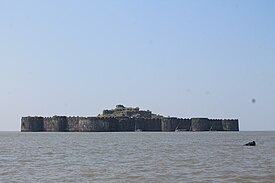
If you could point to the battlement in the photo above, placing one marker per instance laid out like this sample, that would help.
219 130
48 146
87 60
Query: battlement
125 119
120 124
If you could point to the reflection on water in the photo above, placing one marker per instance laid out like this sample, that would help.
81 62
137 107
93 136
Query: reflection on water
137 157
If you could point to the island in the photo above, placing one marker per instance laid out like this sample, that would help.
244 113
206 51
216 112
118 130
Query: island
125 119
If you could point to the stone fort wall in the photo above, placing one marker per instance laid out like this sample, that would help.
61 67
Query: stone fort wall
96 124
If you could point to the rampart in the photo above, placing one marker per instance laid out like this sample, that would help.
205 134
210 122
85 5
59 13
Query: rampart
124 124
32 124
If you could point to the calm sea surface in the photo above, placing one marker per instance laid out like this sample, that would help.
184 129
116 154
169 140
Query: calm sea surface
137 157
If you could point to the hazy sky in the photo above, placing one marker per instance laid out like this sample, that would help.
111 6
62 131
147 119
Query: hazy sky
177 58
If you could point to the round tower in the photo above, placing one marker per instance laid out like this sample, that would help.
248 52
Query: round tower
94 124
32 124
56 124
200 124
230 125
169 124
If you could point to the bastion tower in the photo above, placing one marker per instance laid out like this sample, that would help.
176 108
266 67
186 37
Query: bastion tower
125 119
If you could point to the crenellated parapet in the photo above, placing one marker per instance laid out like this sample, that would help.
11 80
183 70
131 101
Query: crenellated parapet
216 125
145 124
73 123
32 124
170 124
55 124
125 119
120 124
95 124
200 124
230 124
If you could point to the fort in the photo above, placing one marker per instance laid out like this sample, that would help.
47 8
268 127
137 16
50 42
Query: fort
125 119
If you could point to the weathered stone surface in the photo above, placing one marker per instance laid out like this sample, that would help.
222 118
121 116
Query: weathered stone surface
200 124
32 124
55 124
125 119
230 125
169 124
216 125
95 124
184 125
126 124
73 124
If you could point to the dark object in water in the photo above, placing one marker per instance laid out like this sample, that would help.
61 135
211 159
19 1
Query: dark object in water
253 143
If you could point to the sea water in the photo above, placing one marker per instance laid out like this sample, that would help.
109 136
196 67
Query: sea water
137 157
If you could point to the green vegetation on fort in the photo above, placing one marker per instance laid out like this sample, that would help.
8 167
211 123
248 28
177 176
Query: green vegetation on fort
122 111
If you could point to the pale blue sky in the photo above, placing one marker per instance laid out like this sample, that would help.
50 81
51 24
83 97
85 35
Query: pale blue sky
177 58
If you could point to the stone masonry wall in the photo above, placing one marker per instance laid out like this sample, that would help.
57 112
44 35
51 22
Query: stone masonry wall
95 124
200 124
169 124
230 125
216 125
55 124
32 124
184 124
